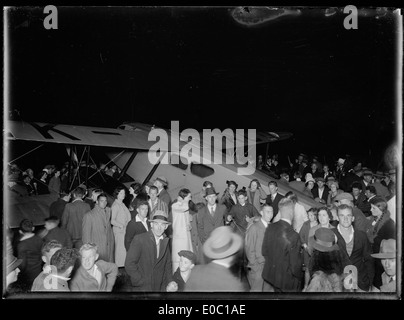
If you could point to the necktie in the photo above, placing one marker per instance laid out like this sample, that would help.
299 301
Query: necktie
158 247
391 279
211 211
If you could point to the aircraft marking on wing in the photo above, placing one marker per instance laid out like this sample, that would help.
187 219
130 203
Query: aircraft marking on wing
44 130
78 135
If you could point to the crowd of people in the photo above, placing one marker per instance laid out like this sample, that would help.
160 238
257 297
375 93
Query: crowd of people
243 239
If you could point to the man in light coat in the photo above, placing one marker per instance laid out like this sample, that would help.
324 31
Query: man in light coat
253 249
97 229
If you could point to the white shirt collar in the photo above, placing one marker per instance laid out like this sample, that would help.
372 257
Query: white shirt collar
264 222
352 230
287 220
144 222
158 238
27 236
222 263
139 219
96 274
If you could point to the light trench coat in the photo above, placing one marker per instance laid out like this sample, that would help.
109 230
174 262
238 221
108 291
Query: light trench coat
181 231
120 217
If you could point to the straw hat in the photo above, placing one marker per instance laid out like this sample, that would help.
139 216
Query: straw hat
222 243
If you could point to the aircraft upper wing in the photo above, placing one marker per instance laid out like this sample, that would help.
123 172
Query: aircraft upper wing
79 135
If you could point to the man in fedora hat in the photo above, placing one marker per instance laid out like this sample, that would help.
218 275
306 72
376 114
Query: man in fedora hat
389 182
281 248
367 179
161 184
210 216
387 255
148 260
222 246
163 195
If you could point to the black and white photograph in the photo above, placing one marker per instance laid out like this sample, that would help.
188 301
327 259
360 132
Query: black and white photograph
202 153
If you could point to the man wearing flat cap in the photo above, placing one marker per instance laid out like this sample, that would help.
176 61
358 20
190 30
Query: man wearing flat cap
222 247
183 272
148 260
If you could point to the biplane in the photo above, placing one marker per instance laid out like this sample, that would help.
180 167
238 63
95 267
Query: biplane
128 147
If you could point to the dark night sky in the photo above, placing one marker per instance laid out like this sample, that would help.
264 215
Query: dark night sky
332 88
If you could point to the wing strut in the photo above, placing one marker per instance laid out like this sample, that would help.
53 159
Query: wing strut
153 170
127 165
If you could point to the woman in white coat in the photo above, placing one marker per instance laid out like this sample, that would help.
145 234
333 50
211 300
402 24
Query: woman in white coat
181 226
120 216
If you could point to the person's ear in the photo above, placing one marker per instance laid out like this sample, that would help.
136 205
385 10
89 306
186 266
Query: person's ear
68 271
165 226
353 218
191 266
44 259
96 256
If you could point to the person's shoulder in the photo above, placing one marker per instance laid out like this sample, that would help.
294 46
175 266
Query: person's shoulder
360 234
142 236
104 264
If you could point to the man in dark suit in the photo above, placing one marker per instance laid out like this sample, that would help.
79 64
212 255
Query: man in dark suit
161 184
72 218
138 225
367 179
282 251
222 247
210 216
148 260
359 199
163 195
320 194
355 248
56 208
273 199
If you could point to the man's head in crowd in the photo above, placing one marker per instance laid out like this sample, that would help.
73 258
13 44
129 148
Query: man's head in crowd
267 212
273 187
345 216
64 260
48 250
356 189
142 209
153 192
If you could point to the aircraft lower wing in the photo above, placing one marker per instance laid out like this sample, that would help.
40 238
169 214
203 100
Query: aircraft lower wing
78 135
